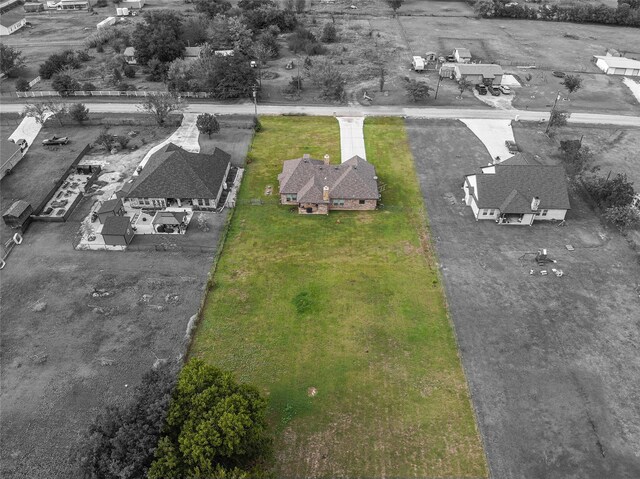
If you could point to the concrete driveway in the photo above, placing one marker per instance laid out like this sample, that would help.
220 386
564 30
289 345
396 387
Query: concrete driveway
352 137
493 134
186 136
27 130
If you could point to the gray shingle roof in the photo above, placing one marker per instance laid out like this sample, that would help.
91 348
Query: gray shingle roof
306 177
17 208
11 18
110 206
512 188
176 173
116 225
486 70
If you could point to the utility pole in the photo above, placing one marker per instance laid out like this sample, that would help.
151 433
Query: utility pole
255 99
438 87
546 131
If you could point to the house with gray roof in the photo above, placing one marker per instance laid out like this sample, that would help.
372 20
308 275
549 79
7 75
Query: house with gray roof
518 191
484 73
316 186
177 177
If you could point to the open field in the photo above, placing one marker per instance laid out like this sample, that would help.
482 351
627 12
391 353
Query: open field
349 304
552 362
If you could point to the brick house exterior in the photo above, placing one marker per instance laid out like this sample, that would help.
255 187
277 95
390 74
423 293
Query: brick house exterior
317 187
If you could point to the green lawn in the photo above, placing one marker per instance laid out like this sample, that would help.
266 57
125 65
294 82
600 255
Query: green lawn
348 304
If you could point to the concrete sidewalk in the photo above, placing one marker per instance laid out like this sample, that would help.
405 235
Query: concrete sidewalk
352 137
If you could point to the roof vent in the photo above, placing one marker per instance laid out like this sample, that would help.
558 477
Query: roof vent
535 203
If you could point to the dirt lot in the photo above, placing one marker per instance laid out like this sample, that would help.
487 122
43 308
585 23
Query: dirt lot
65 354
551 362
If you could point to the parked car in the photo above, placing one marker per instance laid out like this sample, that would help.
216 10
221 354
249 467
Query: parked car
56 140
505 90
559 74
482 90
512 146
493 90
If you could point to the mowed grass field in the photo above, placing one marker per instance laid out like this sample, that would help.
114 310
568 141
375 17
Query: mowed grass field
349 304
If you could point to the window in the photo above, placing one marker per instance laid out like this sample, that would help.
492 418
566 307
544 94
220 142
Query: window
492 212
544 212
291 196
362 202
337 202
484 212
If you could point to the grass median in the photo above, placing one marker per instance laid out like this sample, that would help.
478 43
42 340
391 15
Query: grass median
347 306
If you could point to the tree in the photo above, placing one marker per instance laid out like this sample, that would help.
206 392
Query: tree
158 37
11 59
215 427
329 33
22 84
211 8
395 4
79 112
226 77
269 40
105 139
611 192
623 217
64 84
57 62
557 119
129 71
578 159
180 75
417 90
464 85
41 111
161 105
229 32
208 124
572 83
121 441
329 79
300 6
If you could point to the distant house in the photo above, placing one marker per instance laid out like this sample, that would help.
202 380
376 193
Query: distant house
117 231
192 52
11 22
613 65
10 154
176 177
33 7
462 55
487 74
72 5
130 55
132 4
517 191
316 186
110 208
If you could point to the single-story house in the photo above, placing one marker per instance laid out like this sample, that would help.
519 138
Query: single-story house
73 5
117 231
18 215
517 191
9 5
11 22
316 186
487 74
192 52
132 4
176 177
130 55
618 65
110 208
462 55
170 221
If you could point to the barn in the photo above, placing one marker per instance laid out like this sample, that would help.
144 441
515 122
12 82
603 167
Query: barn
618 65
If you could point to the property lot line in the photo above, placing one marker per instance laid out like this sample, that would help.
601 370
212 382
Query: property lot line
410 112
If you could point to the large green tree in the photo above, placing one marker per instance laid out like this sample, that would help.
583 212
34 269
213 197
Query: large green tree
215 427
226 76
11 59
158 37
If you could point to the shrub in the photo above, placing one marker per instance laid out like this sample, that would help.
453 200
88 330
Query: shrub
129 71
611 192
57 62
100 48
122 140
417 90
329 33
88 86
22 84
302 40
623 217
64 84
83 55
101 3
207 124
257 126
79 112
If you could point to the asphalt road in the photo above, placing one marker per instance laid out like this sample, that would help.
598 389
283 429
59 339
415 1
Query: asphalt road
359 110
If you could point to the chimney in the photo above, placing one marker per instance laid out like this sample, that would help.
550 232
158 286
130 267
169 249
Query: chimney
326 159
535 202
325 193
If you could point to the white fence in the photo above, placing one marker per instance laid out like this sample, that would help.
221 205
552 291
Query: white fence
34 81
38 94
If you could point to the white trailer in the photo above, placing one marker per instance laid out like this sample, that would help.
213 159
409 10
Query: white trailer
106 22
418 64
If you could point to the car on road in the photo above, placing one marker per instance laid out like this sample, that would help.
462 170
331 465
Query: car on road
56 140
512 146
505 90
482 90
493 90
559 74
